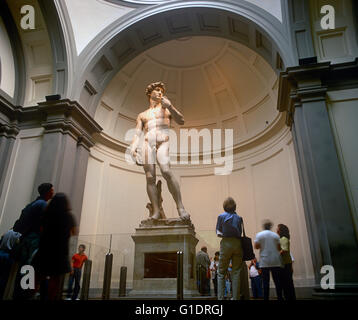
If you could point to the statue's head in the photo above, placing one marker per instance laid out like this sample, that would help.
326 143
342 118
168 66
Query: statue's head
154 86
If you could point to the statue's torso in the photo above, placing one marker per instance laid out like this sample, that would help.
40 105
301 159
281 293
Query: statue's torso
156 122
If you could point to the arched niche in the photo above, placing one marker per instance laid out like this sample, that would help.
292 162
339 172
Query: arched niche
148 27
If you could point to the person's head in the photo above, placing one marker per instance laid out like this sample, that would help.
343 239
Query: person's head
155 91
254 260
81 248
46 191
267 225
59 204
229 205
217 255
204 249
283 231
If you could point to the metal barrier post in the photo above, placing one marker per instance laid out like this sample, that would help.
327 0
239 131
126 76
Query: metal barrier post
107 276
180 276
86 280
123 282
10 285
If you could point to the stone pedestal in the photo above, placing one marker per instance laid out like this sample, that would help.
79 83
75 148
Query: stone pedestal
156 245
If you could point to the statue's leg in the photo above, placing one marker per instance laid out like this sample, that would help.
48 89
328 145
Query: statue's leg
149 169
152 191
173 185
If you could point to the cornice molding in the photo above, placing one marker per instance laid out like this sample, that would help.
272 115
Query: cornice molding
9 131
69 117
302 84
65 116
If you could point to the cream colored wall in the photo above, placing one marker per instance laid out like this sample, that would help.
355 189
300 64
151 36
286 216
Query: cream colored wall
7 80
343 111
90 17
38 55
20 177
337 45
264 182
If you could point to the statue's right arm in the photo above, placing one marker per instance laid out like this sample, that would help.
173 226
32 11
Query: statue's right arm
138 132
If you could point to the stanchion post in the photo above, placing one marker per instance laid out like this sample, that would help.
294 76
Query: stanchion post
10 285
180 276
86 280
107 276
123 282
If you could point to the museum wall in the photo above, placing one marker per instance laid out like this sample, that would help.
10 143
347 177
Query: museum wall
19 180
7 64
343 111
37 53
337 45
264 182
85 28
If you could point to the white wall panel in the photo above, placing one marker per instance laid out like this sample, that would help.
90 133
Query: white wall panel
7 74
20 178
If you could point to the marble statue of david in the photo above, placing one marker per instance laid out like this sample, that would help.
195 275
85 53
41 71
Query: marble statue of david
154 123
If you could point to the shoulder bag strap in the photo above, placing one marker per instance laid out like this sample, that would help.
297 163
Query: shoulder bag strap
243 228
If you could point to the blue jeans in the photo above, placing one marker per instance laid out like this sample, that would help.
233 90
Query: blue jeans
76 276
256 287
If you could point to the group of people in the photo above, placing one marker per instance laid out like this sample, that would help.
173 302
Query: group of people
207 271
40 238
275 258
230 272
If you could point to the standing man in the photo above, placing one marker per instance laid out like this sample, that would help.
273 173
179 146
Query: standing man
155 124
30 218
270 261
203 265
78 259
29 226
228 227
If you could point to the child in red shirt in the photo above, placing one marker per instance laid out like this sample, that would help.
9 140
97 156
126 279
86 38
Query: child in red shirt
77 262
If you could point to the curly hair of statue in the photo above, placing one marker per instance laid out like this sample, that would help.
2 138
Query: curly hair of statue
154 85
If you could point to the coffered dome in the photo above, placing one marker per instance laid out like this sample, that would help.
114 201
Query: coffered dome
216 83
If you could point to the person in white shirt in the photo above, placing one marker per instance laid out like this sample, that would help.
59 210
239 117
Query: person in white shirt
214 266
270 261
256 280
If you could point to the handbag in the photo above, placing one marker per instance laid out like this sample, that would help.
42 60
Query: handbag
208 273
246 243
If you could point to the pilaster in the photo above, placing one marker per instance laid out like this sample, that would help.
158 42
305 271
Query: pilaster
302 94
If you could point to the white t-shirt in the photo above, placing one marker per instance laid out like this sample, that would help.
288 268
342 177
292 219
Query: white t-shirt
269 254
212 268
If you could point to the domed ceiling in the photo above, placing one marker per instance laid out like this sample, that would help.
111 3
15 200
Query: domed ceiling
214 82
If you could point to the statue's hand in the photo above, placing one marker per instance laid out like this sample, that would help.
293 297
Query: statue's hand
136 157
133 153
166 102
